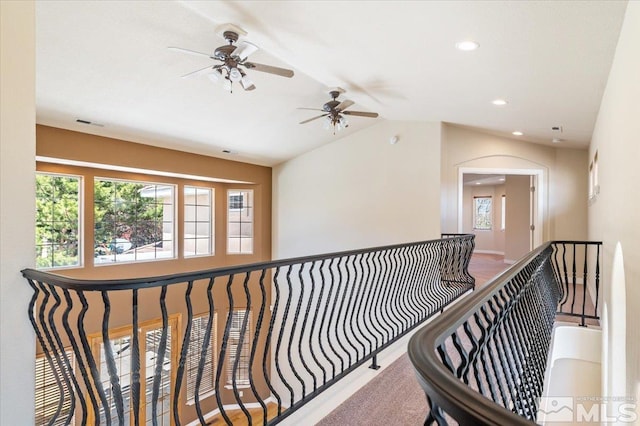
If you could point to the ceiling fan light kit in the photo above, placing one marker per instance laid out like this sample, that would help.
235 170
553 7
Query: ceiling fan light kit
234 57
335 111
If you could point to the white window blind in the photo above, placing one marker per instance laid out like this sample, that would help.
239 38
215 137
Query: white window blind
242 373
48 393
198 330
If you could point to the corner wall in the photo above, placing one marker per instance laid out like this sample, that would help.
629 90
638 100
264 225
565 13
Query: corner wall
17 206
565 175
614 214
360 191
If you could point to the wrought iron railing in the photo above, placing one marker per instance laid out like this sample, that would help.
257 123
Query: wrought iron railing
257 341
483 361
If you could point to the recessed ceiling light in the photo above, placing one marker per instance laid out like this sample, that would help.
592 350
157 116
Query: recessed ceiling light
478 183
517 133
501 179
467 45
499 102
556 140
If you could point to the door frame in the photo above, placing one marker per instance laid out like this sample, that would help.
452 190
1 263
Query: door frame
538 207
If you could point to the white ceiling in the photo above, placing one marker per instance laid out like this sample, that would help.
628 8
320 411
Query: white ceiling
108 62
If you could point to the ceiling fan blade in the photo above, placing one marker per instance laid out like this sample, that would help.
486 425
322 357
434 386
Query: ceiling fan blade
361 113
189 52
202 71
244 50
283 72
311 109
344 105
314 118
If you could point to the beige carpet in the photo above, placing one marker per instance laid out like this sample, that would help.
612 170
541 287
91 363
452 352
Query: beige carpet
392 398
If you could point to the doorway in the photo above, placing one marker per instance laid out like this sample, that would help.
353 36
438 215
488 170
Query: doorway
502 207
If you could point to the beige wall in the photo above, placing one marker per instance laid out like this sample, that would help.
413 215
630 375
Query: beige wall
614 215
17 223
65 144
517 232
564 173
488 241
359 191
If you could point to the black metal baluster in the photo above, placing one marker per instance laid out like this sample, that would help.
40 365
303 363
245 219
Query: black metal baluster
324 316
223 352
310 303
238 355
135 360
266 353
304 326
162 349
293 331
183 352
111 364
63 361
95 373
256 336
77 355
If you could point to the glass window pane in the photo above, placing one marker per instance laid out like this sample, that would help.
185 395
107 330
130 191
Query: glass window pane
240 221
132 219
198 220
57 221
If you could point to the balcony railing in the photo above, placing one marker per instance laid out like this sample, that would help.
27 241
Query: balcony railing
484 360
255 341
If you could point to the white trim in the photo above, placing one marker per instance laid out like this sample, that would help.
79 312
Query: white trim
133 170
206 395
501 253
541 191
509 261
215 412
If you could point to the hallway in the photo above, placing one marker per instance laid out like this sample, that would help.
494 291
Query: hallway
394 397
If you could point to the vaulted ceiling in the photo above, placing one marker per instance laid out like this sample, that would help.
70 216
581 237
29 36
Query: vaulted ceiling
107 62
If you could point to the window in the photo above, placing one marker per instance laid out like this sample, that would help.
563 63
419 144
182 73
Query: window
239 337
199 327
198 222
240 221
120 342
133 221
482 213
47 391
503 211
57 221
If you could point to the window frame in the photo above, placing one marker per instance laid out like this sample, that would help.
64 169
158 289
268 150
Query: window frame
174 228
489 214
212 233
80 225
248 207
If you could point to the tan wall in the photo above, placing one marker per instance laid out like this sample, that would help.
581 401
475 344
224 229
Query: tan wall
66 144
517 232
69 145
17 221
564 173
486 241
360 191
614 215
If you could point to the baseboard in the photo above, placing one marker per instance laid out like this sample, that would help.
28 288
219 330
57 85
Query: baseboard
501 253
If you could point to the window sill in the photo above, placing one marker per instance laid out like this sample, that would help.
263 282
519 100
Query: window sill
202 397
238 386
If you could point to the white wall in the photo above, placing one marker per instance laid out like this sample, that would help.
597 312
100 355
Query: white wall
17 209
359 191
564 172
615 214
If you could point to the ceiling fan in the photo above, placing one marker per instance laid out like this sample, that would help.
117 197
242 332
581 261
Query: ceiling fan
334 111
233 57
